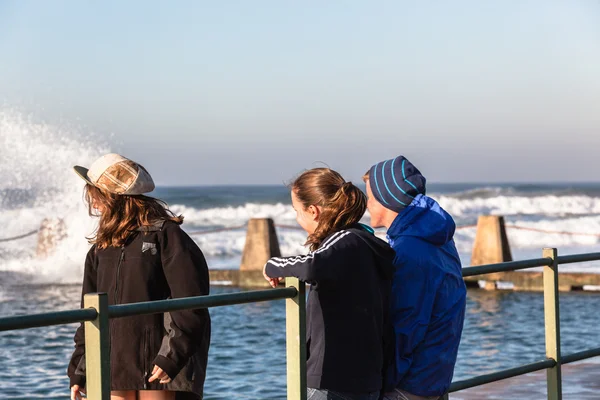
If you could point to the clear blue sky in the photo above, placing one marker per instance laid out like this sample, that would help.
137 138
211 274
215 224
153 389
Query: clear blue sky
254 91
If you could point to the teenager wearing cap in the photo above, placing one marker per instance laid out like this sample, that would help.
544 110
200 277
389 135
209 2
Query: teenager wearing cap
428 292
140 253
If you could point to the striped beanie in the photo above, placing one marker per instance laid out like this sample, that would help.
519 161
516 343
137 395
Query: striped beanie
396 182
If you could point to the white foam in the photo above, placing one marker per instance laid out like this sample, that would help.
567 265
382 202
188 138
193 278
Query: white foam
223 243
231 243
37 159
221 283
501 285
548 205
233 216
578 231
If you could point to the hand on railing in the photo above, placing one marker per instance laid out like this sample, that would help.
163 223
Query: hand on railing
272 281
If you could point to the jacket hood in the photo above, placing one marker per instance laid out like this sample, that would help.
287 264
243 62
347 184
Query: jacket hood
384 254
424 219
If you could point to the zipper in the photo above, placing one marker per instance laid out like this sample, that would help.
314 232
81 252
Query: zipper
145 358
119 273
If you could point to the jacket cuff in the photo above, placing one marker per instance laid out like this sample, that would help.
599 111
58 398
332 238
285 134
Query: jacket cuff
167 365
274 272
77 380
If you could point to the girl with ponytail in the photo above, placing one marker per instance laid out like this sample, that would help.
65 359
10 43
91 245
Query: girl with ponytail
349 271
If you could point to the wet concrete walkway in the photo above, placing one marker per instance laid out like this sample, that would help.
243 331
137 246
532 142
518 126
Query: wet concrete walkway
581 381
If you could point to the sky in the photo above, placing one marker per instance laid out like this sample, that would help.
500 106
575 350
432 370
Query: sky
254 92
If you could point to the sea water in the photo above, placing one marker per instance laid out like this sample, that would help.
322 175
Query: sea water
247 355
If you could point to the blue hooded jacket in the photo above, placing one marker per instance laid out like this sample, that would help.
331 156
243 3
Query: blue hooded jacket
428 299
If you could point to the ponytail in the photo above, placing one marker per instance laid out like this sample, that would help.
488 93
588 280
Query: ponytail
342 203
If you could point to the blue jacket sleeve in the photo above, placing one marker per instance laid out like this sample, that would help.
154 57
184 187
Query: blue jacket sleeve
413 296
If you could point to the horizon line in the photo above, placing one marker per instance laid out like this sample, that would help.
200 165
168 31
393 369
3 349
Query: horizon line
483 184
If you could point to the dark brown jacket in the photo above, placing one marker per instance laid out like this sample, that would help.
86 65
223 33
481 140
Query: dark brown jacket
156 263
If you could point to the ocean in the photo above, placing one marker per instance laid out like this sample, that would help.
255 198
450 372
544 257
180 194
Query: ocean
247 357
566 216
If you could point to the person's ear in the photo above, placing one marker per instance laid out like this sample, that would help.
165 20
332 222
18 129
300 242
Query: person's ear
314 212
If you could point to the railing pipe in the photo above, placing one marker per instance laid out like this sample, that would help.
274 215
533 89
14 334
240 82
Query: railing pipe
582 355
46 319
577 258
187 303
505 266
500 375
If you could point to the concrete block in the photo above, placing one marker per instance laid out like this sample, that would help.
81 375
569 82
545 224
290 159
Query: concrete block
261 244
491 244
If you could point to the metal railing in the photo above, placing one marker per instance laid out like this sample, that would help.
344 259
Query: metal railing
554 360
97 312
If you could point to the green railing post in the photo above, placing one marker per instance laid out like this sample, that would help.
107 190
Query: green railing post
97 348
445 397
295 329
552 323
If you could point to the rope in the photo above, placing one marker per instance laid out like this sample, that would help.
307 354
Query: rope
466 226
229 228
526 228
20 236
235 228
289 227
238 227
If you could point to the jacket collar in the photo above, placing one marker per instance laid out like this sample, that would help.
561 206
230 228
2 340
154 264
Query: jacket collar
401 221
154 227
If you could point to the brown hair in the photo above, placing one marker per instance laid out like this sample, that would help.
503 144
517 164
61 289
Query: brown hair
123 214
365 177
342 204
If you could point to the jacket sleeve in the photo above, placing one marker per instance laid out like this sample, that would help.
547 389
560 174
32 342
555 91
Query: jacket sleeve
316 266
186 272
76 368
412 302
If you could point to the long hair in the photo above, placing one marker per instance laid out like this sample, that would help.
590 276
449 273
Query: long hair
121 215
342 204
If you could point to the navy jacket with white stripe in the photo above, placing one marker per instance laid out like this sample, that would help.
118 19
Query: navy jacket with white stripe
348 331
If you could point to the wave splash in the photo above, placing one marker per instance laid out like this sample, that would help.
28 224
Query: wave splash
37 183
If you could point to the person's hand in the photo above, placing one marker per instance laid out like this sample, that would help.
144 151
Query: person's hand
272 281
158 373
76 392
